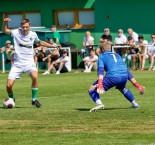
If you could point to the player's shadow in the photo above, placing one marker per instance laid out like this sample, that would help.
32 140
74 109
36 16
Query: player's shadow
17 107
106 109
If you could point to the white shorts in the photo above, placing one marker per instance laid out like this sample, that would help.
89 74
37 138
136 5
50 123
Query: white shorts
17 70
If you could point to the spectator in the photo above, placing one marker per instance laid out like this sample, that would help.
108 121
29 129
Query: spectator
60 65
120 39
133 34
90 62
51 55
88 40
9 51
105 37
132 53
141 45
39 54
151 50
56 35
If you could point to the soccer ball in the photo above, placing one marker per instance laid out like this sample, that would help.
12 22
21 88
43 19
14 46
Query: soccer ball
9 103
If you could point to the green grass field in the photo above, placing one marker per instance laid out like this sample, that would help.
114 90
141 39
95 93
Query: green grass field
64 118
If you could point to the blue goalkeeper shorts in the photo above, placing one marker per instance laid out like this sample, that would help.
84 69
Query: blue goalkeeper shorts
109 82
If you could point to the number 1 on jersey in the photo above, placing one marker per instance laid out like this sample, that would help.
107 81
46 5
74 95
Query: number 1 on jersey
114 57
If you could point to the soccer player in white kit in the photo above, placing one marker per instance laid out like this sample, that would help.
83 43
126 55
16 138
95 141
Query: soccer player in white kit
23 59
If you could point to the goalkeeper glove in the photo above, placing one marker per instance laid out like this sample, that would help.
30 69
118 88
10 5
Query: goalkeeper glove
100 89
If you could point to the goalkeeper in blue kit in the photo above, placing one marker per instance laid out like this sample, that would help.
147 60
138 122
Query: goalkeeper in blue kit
116 76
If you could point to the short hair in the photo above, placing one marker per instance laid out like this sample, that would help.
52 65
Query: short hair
53 26
107 29
24 21
105 46
152 34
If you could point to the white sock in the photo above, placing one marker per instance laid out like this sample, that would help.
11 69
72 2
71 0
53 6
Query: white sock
33 99
98 102
90 67
86 67
134 103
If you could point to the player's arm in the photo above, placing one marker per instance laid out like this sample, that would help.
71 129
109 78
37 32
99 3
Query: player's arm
45 44
5 26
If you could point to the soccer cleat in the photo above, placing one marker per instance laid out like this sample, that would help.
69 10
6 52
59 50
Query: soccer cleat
100 106
57 73
135 106
36 103
46 73
141 90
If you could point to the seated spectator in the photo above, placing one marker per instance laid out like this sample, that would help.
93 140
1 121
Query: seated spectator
133 34
9 49
151 50
90 62
141 45
132 53
88 40
60 65
105 37
119 40
51 55
39 54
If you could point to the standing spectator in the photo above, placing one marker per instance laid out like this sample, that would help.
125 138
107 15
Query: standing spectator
133 34
9 49
151 50
56 35
60 65
105 37
141 45
90 62
88 40
119 40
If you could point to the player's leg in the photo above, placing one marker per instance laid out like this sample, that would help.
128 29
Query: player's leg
107 83
135 83
129 96
31 70
9 88
34 77
95 97
15 72
126 92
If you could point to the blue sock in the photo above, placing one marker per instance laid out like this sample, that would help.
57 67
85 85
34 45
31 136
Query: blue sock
128 94
94 95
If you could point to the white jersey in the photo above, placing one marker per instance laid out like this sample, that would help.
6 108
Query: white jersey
67 63
144 50
23 45
152 47
120 40
89 58
88 40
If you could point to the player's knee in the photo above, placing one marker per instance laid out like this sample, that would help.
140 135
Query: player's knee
91 88
8 85
124 90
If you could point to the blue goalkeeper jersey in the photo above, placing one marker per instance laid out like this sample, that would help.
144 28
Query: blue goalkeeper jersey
112 63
